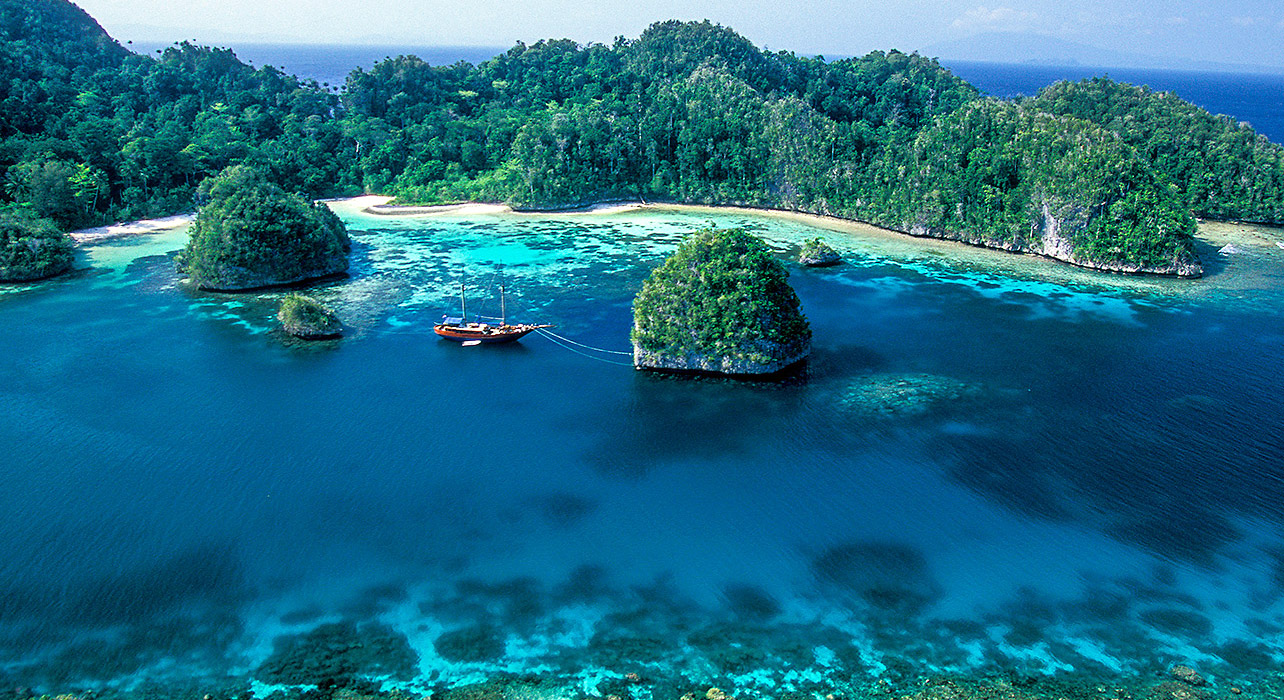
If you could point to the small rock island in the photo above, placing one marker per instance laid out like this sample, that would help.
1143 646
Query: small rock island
252 234
721 304
31 248
309 319
817 253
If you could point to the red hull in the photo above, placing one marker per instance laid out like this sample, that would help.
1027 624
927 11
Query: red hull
484 333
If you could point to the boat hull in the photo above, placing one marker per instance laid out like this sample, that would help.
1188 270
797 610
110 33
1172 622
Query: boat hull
486 336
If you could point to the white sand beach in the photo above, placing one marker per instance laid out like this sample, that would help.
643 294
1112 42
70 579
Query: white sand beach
373 204
131 228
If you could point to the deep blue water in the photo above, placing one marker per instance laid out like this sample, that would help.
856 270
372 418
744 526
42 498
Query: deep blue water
990 465
1255 98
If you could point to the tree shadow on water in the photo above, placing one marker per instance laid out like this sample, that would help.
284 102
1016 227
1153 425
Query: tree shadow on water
668 418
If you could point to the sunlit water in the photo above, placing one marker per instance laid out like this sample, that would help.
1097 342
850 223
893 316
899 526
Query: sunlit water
990 464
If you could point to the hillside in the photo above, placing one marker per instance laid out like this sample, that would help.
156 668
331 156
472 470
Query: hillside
686 112
91 133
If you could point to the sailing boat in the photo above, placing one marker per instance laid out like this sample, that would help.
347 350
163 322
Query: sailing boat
461 330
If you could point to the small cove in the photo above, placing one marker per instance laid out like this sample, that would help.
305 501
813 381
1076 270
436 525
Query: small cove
990 463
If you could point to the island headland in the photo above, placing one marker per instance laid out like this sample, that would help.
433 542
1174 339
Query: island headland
1096 173
31 248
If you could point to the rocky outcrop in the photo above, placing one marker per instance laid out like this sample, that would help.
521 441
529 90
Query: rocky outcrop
1053 241
305 317
720 304
1187 674
817 253
765 359
1051 236
252 234
31 248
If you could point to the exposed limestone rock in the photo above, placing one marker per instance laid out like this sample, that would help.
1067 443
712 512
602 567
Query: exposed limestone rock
817 253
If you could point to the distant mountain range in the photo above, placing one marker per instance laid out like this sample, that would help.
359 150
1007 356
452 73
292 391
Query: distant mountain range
1039 49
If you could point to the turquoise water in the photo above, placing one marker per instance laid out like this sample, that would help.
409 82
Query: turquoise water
990 465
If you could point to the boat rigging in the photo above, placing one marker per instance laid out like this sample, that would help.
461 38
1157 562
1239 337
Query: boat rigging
461 330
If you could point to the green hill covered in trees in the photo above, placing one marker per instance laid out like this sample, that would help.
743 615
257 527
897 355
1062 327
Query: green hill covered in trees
1096 173
721 303
251 234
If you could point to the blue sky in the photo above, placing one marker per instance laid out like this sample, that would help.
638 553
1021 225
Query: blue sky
1249 32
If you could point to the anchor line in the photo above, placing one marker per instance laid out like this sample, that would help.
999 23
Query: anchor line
582 345
555 339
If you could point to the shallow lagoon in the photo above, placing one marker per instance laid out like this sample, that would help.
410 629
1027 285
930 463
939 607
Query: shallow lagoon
991 465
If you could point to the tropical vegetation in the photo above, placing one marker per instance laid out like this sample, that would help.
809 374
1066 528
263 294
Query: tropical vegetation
721 301
308 318
251 233
31 248
816 252
1097 172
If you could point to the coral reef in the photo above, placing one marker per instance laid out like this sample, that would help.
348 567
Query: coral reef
338 655
888 395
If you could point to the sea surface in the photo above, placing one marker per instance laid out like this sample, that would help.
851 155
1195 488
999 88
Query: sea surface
1254 98
330 64
992 465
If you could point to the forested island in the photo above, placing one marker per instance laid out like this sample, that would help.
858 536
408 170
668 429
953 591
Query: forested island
1096 173
252 234
720 304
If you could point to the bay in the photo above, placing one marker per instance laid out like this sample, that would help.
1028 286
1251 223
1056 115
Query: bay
991 464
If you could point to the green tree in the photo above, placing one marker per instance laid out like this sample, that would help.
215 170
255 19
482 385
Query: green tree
721 296
31 248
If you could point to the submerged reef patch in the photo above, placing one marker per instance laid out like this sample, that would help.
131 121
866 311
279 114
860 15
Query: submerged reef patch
340 654
886 575
474 644
889 395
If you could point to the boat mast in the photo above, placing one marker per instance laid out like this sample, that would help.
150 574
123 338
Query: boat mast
463 312
503 314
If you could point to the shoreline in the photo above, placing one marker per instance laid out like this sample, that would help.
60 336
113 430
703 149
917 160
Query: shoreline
1214 236
1208 232
121 229
381 207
